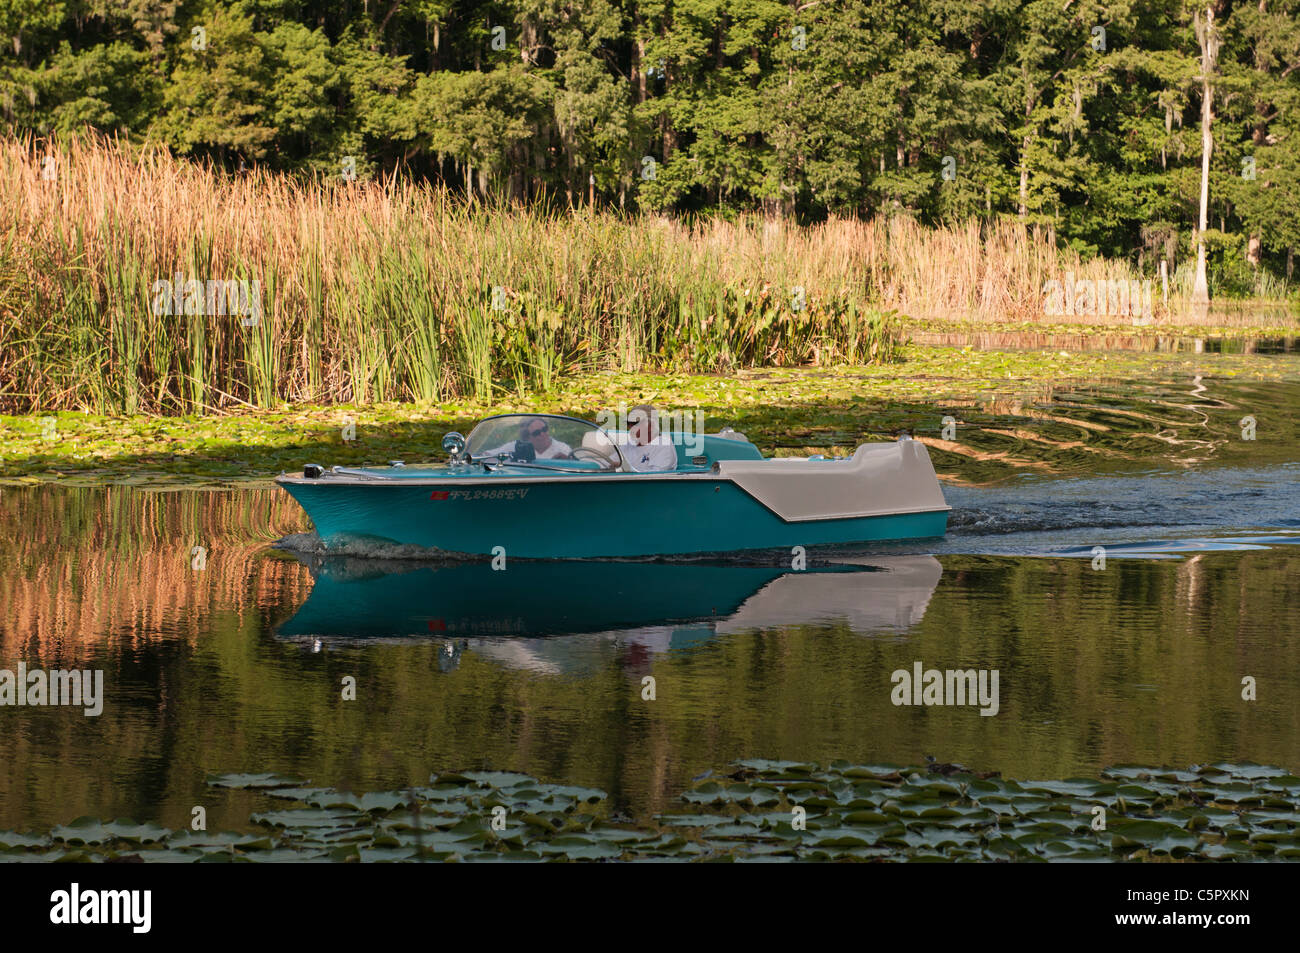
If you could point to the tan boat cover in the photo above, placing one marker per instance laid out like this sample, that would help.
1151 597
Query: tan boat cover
881 478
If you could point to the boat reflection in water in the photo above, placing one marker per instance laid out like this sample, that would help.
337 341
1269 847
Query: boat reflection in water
564 617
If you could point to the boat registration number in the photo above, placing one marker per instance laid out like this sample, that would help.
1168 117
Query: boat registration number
517 494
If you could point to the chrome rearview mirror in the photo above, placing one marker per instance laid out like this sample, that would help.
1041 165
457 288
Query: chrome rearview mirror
454 444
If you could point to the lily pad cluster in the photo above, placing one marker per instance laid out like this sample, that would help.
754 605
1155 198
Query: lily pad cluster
755 811
944 812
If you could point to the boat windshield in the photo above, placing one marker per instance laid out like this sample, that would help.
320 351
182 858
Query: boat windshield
544 440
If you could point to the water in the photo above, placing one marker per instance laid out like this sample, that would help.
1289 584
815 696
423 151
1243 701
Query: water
234 659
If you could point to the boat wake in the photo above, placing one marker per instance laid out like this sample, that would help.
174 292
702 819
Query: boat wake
1148 513
311 545
311 550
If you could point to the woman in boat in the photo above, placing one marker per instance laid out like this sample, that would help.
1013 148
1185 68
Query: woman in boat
534 432
647 450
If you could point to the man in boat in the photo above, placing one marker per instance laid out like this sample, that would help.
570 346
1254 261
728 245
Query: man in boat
647 450
535 433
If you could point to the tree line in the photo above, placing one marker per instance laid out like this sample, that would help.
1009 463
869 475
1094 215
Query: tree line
1083 117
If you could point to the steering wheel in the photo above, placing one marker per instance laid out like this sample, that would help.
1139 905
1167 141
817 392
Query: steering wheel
591 454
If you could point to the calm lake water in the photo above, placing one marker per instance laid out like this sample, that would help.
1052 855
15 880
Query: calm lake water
235 662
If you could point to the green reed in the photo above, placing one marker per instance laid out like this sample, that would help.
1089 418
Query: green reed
377 291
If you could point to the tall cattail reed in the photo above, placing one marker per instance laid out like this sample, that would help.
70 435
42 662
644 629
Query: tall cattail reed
390 290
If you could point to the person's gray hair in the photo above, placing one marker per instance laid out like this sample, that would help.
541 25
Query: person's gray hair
649 411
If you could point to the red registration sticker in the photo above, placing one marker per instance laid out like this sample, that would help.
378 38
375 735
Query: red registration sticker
438 495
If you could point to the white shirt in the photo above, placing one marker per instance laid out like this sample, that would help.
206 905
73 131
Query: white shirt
658 454
558 448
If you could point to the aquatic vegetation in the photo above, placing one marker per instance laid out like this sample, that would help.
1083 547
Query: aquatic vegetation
385 291
783 410
758 810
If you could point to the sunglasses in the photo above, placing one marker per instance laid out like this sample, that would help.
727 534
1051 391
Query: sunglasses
635 423
536 433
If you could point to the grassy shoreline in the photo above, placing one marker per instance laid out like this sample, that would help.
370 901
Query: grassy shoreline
783 410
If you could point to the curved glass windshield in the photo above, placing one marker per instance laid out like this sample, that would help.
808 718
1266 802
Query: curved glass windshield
543 440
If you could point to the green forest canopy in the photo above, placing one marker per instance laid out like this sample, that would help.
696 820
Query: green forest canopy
1078 115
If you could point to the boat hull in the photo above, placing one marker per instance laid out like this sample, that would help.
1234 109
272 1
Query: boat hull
642 515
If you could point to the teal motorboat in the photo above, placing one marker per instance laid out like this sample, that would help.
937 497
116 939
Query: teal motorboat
554 487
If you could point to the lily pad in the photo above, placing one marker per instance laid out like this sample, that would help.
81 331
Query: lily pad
91 830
